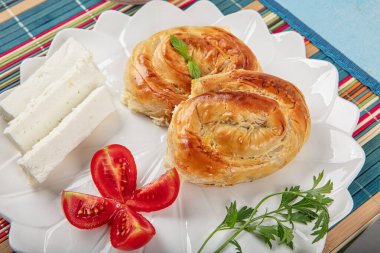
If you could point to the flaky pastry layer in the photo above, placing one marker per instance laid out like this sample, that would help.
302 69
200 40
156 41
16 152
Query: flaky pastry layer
157 77
237 127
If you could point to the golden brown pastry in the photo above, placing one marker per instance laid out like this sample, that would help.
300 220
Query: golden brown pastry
237 127
157 78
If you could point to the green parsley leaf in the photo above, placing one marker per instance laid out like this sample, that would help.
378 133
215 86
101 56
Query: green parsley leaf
297 206
327 188
181 47
285 234
288 195
268 231
317 180
231 216
237 246
194 70
244 213
302 217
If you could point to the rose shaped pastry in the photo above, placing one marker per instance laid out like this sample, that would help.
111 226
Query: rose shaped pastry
237 127
157 77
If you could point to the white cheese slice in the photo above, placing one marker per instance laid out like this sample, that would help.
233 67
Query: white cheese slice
45 112
74 128
54 67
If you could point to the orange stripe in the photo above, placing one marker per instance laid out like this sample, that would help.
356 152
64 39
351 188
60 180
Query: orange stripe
352 225
255 5
3 240
18 9
356 85
2 221
370 93
357 93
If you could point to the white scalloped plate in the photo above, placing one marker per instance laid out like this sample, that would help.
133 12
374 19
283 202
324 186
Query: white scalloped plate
38 224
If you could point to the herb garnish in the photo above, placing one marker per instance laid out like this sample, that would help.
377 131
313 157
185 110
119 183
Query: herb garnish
278 225
181 47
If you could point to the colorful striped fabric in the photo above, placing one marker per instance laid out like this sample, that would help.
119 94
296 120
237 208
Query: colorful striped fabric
367 132
294 14
28 26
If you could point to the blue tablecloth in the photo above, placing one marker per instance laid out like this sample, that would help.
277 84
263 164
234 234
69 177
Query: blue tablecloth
350 26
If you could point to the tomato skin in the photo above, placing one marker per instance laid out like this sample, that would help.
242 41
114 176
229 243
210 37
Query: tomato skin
87 211
113 170
130 230
157 195
114 173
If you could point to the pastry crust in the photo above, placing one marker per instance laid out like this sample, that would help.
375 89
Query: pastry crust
237 127
157 78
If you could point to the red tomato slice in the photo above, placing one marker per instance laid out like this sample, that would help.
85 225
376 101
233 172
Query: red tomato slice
156 195
87 211
114 172
130 230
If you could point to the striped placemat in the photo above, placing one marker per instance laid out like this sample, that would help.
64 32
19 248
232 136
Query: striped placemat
28 26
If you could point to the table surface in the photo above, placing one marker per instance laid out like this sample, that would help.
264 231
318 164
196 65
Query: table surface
352 29
23 36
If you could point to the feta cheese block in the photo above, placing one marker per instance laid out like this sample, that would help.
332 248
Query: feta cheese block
74 128
54 67
45 112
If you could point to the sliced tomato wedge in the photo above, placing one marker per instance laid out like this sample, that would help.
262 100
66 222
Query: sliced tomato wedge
87 211
158 194
130 230
113 170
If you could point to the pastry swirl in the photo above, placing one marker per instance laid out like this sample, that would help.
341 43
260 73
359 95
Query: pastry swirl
237 127
157 78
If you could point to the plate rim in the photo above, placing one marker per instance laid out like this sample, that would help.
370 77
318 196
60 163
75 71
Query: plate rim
355 110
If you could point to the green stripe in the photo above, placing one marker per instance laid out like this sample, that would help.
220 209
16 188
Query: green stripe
32 46
362 104
348 86
277 25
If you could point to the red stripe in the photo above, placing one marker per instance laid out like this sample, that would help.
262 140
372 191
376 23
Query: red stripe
68 20
50 29
184 5
117 7
4 233
3 223
363 127
345 80
19 59
46 45
3 239
372 111
16 47
86 23
281 28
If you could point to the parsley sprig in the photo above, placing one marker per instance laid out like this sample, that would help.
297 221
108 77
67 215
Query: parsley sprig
181 47
296 206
